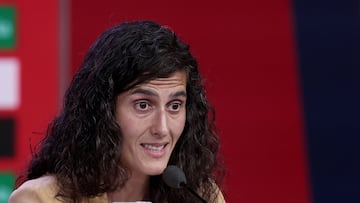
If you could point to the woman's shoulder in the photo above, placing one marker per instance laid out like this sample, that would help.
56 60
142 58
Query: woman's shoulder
218 195
42 189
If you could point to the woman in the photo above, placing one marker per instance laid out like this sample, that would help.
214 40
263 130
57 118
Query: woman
136 105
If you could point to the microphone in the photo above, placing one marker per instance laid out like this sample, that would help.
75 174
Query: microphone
174 177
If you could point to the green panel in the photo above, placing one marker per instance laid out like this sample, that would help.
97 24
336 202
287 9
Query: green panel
7 184
7 27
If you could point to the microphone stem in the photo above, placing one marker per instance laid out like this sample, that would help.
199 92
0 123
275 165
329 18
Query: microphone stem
193 192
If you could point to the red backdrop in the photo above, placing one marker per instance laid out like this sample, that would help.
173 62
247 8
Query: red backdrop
37 50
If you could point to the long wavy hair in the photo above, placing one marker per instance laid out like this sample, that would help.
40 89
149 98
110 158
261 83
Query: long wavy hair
82 144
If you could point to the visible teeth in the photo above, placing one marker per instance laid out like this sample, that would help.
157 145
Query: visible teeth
153 148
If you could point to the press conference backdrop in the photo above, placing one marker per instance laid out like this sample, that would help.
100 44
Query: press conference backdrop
283 76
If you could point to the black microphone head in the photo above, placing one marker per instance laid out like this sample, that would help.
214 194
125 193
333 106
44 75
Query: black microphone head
174 177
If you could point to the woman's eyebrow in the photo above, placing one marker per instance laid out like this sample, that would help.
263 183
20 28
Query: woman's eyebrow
180 93
151 93
144 91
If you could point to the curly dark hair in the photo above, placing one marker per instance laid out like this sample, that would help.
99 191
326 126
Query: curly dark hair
82 144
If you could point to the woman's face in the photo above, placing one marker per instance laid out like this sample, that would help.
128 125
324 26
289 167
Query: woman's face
152 117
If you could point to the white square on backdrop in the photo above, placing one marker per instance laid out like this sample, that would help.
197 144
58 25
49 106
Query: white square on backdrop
9 83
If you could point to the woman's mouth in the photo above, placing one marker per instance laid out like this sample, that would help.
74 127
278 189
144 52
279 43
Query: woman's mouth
155 150
154 147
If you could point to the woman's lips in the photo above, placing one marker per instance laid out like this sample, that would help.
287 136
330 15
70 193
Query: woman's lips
155 150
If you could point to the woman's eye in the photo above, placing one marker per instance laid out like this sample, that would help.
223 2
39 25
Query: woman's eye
175 106
142 105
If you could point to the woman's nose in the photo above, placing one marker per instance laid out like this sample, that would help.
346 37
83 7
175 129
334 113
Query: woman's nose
160 126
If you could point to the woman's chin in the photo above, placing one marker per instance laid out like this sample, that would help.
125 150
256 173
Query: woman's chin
153 171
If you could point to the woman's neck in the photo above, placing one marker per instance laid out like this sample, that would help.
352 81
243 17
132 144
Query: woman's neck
136 188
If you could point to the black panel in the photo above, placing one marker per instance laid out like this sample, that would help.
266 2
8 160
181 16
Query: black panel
7 137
